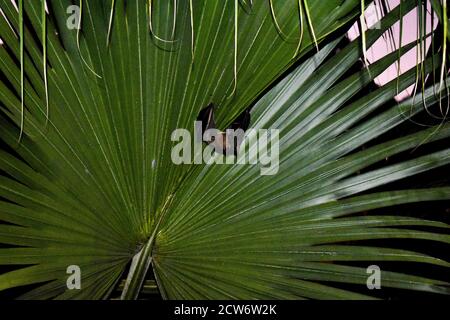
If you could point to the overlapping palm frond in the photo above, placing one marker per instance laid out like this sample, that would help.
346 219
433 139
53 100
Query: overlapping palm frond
91 182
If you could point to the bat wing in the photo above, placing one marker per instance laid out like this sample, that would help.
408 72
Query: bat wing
206 116
242 121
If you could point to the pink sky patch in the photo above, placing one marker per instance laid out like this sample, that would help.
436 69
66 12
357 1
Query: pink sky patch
386 45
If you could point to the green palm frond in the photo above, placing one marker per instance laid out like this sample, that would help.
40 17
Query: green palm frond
91 182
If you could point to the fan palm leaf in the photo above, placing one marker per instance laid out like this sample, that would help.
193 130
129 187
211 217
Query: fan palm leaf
91 182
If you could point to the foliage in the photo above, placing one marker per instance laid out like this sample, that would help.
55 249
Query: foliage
88 179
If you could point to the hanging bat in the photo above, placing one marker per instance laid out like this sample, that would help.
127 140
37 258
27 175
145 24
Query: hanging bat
224 142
